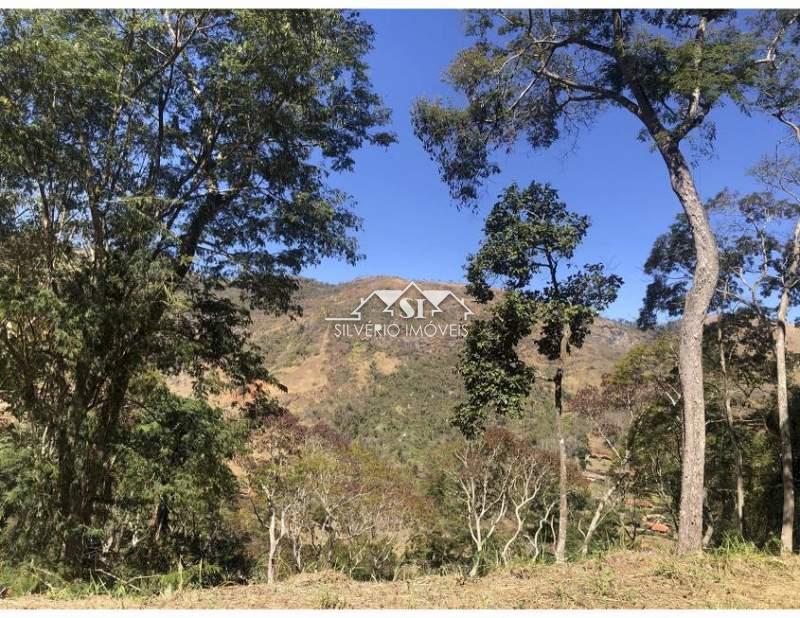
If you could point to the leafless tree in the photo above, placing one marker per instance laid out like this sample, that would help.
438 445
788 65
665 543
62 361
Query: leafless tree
529 476
484 491
546 520
611 410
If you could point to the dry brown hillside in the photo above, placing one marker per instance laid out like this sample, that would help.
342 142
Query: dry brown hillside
395 393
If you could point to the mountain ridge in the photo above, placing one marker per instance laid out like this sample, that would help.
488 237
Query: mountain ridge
396 394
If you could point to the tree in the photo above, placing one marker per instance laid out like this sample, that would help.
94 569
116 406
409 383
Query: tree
614 411
739 360
529 472
172 492
277 494
536 73
779 96
654 441
174 488
150 160
778 92
769 265
528 233
759 259
499 475
484 492
317 498
670 264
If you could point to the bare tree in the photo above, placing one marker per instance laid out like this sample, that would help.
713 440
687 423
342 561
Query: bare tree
483 483
299 526
530 475
279 507
612 410
546 520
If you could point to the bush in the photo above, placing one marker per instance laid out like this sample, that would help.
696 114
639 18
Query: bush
168 501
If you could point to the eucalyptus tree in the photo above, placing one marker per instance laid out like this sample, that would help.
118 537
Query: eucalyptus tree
779 95
534 74
149 162
770 261
758 284
530 237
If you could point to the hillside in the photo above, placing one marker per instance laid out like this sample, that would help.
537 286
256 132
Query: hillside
395 394
622 579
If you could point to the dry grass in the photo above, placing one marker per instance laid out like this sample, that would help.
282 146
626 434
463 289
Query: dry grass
619 580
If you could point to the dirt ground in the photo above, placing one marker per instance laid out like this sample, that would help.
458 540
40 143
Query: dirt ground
618 580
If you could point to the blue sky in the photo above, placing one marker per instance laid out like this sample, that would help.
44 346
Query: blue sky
413 229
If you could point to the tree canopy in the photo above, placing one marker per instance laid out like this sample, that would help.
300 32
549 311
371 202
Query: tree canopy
529 235
152 162
534 74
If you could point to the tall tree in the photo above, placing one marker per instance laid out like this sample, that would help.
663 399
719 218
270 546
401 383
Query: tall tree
148 160
779 96
758 236
770 265
529 234
536 73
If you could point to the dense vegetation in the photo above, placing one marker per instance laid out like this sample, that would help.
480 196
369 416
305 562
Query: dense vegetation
163 183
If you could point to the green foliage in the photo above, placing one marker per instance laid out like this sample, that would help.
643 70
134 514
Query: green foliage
151 162
171 491
533 75
654 439
495 378
177 487
528 234
755 239
670 264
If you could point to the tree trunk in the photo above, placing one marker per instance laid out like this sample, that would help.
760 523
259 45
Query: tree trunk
563 513
787 472
520 524
690 351
297 552
737 453
476 563
787 464
598 513
271 551
275 536
477 538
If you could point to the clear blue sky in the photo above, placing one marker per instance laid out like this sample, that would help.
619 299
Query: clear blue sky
412 228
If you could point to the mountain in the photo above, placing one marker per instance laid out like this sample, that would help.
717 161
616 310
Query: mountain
394 388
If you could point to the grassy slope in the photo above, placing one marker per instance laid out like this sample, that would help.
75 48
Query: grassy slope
622 579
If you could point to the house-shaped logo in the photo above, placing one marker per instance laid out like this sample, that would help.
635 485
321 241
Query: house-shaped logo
412 302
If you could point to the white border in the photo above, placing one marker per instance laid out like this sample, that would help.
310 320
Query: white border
399 4
393 5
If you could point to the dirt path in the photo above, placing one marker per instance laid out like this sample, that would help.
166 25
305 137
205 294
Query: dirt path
622 579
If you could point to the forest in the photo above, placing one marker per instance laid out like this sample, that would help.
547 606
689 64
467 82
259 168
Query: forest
165 183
